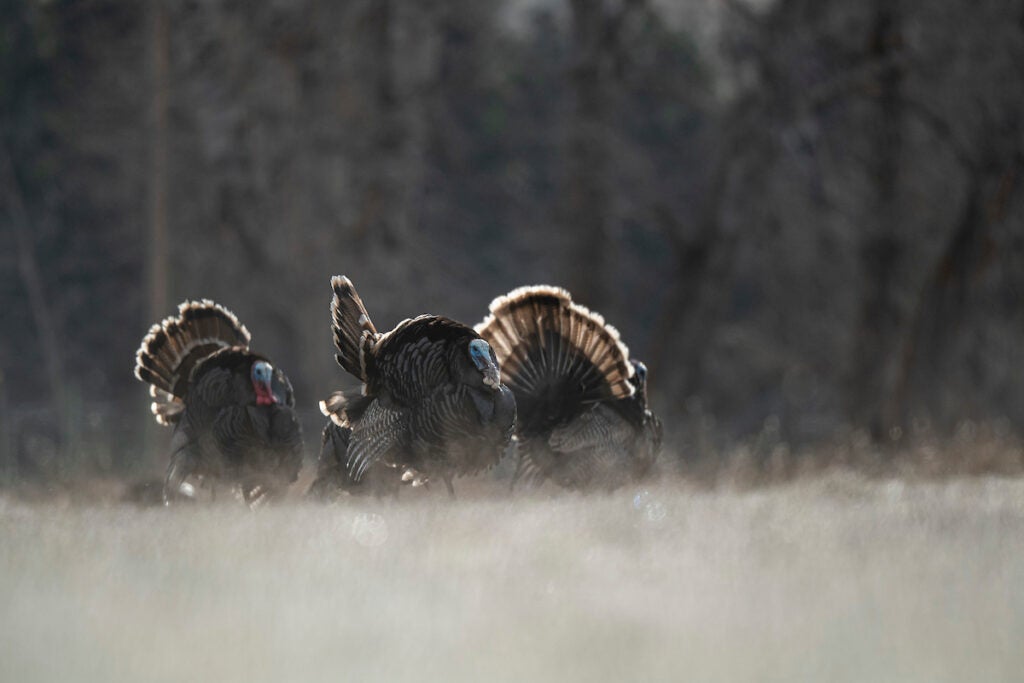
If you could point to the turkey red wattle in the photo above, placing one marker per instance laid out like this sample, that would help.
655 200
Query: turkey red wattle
264 396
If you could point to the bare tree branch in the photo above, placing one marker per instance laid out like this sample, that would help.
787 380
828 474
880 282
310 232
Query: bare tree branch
32 280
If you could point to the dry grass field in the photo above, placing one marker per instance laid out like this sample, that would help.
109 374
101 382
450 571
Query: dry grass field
829 578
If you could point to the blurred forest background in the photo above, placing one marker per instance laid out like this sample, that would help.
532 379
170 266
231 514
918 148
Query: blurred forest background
806 216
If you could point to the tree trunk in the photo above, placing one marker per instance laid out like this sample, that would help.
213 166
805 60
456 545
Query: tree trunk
968 251
874 373
158 247
587 204
154 438
42 313
32 279
8 463
383 215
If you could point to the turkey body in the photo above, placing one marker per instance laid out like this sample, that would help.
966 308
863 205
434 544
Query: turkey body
232 411
226 435
431 404
583 419
603 446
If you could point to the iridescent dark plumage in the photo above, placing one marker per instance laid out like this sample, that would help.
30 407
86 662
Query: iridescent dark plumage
232 412
431 403
333 478
583 417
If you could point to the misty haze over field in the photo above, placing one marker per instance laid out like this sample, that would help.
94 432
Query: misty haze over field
838 579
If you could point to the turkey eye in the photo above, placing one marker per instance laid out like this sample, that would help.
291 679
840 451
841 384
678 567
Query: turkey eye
641 371
262 372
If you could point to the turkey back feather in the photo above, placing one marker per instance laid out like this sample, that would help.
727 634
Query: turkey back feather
557 356
415 357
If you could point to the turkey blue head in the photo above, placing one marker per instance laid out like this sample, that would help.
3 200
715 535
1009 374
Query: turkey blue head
261 375
485 362
640 378
640 381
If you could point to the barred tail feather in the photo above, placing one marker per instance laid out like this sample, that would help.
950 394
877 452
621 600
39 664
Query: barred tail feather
353 330
544 340
173 347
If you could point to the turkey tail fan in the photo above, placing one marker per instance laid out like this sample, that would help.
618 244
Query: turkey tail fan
352 327
551 348
173 347
167 408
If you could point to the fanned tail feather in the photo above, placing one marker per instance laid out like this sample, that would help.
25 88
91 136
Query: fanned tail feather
353 330
334 407
173 347
543 339
166 408
344 407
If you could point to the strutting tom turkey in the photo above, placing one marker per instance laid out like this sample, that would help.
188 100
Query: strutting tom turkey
231 409
583 419
431 404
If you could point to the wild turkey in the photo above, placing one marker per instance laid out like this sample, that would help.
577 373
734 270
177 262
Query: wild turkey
432 403
232 411
583 419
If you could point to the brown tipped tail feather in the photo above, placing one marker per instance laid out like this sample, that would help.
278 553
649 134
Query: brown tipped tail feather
173 347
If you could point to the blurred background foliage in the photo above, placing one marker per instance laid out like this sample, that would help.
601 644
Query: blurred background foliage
804 215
